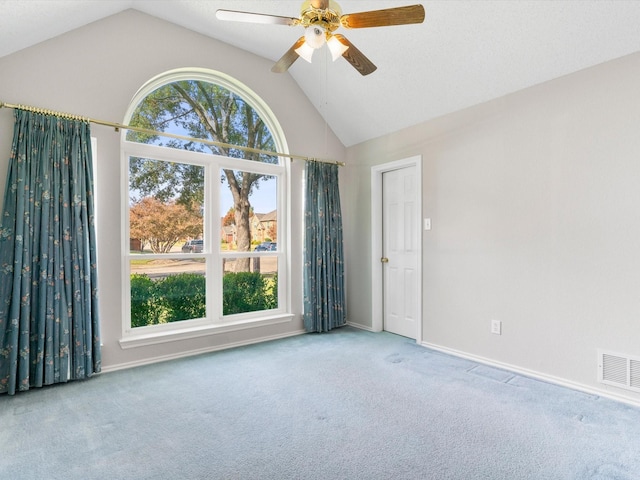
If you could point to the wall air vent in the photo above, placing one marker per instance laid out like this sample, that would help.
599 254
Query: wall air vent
619 370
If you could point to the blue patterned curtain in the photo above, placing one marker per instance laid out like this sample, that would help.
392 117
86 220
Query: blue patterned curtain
49 329
324 298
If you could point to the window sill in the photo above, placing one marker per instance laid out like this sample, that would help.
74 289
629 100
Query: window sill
140 340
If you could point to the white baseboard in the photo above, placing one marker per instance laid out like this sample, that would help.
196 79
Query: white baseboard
191 353
536 375
361 327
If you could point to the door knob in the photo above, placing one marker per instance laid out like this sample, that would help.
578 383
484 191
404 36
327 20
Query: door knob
384 260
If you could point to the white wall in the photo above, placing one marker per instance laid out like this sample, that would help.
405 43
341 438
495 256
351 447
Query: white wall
95 71
535 207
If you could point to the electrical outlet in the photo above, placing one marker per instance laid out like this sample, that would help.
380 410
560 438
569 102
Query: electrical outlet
496 327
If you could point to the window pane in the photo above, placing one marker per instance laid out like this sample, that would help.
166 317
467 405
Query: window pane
166 200
246 225
164 291
249 290
170 108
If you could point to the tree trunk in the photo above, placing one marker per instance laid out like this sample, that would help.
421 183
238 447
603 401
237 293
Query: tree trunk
243 232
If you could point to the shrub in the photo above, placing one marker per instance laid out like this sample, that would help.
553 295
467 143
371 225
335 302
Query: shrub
246 292
271 292
144 309
182 296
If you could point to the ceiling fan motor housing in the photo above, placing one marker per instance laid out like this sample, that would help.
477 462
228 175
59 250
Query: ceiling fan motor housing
328 19
314 36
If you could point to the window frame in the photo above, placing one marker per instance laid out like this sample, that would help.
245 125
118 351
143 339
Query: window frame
215 321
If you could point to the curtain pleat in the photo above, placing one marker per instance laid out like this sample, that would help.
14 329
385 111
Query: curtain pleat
49 326
324 295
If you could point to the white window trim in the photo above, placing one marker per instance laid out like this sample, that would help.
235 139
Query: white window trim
215 323
152 338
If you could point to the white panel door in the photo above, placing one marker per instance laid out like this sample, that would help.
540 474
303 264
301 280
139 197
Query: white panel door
400 251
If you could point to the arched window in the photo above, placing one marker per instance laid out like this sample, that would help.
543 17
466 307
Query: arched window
205 239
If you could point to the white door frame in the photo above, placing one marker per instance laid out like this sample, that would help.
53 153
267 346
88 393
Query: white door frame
376 239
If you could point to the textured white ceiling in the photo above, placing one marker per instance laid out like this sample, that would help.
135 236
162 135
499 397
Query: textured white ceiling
466 52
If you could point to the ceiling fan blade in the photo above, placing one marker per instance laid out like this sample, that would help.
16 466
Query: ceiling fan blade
233 16
355 57
320 4
384 18
288 58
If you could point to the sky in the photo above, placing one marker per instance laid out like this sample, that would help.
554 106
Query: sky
263 199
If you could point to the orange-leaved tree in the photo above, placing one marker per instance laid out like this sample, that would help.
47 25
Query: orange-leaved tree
163 224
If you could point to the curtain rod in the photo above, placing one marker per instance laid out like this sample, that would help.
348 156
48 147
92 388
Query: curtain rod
119 126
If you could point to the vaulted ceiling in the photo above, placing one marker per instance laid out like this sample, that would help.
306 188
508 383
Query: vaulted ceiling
466 52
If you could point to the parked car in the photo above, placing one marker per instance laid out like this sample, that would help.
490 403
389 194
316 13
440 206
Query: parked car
192 246
267 247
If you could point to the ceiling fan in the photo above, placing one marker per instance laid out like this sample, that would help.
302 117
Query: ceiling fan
321 18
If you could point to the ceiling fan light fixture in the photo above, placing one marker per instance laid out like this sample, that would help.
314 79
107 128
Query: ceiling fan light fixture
315 36
336 48
305 51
